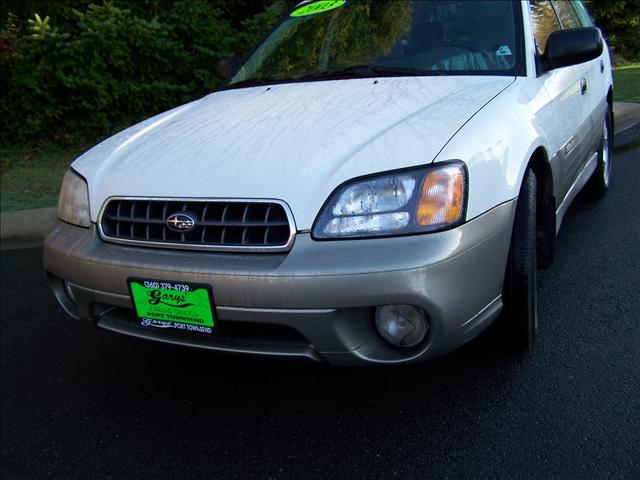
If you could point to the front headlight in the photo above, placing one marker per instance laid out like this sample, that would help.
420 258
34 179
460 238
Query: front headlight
73 204
422 200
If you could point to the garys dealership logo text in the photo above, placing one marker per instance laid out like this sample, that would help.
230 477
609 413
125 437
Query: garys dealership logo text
176 300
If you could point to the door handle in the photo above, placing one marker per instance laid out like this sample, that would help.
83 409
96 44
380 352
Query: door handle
601 66
583 86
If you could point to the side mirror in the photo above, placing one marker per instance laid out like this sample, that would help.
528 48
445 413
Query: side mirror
571 47
228 67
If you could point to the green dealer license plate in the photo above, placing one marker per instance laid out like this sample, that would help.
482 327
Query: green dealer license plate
177 305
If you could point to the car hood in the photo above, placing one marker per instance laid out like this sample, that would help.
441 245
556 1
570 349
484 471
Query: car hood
294 142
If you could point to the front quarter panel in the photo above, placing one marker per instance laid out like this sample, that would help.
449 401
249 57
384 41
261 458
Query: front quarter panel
497 143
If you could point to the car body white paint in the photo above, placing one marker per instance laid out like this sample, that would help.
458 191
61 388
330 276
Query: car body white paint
292 142
297 142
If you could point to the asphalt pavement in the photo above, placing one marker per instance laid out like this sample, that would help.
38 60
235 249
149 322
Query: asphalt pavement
82 403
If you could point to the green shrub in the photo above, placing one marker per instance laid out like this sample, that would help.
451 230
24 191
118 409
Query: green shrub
109 67
620 22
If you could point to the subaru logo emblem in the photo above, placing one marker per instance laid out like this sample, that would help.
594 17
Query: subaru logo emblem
181 222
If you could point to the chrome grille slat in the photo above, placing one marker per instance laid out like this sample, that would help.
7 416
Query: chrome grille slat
237 225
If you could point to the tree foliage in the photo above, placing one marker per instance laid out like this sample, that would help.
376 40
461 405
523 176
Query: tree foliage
620 22
85 73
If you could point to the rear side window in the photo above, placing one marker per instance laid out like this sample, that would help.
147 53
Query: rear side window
583 14
545 22
567 15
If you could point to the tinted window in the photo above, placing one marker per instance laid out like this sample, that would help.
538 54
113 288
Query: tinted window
545 22
568 16
435 37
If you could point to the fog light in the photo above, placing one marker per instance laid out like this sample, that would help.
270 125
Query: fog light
402 325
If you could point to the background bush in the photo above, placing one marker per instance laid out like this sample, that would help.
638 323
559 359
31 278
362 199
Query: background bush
620 22
75 72
82 73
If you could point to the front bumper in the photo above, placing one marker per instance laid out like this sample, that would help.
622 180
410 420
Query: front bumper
315 302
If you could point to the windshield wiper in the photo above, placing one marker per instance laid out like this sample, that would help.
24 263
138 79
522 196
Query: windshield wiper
356 71
255 82
367 71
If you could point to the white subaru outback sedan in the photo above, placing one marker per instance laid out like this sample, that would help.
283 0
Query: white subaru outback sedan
376 183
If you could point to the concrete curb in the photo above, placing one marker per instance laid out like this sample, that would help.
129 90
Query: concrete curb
627 123
626 115
33 224
627 136
27 223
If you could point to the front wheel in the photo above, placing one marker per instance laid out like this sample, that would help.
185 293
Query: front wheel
518 324
599 181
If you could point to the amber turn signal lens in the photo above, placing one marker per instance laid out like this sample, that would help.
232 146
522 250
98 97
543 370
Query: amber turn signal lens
441 198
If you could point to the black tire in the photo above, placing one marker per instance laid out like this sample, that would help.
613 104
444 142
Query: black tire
517 326
599 181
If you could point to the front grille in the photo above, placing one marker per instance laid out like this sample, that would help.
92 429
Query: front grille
219 224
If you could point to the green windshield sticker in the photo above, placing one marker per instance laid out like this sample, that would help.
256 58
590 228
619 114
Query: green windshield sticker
317 7
172 305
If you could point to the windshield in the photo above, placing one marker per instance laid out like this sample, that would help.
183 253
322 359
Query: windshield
341 39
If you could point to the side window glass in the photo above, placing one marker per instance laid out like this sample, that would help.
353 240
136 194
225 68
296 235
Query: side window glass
568 16
545 22
583 14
